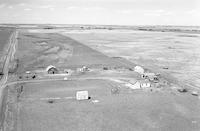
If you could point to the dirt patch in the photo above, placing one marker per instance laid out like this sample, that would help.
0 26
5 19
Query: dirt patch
42 43
41 52
188 35
52 50
4 37
35 35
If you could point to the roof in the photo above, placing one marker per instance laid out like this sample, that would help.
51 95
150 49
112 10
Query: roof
149 74
49 67
144 81
139 69
135 85
132 81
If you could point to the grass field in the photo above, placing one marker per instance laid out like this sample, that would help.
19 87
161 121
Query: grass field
41 50
64 52
174 53
4 38
45 103
128 110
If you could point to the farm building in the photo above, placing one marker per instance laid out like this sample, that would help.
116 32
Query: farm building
135 85
83 69
140 84
51 69
150 76
139 69
145 84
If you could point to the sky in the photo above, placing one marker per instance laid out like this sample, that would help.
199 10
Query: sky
106 12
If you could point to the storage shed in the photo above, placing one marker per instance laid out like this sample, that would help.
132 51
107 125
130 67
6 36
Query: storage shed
145 84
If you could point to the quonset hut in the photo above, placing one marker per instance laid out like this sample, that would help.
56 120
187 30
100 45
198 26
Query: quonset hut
51 69
139 69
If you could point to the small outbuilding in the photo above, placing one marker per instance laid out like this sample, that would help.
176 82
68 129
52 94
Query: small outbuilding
139 69
195 93
51 69
145 84
83 69
82 95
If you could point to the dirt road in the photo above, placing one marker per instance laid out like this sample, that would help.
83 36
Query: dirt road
9 57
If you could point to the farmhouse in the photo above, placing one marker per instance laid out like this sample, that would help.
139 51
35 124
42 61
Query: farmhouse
51 69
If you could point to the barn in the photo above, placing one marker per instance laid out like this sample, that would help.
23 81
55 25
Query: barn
51 69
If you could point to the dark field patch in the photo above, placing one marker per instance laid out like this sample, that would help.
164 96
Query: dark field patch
4 37
188 35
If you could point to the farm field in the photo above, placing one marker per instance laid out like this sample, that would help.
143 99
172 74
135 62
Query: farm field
4 38
173 53
128 110
101 62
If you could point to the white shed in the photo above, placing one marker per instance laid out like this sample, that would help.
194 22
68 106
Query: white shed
82 95
145 84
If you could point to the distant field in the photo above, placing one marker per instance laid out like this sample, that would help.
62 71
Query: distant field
4 37
177 54
38 50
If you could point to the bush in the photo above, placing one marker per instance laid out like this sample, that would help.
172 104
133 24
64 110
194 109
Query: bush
115 90
105 68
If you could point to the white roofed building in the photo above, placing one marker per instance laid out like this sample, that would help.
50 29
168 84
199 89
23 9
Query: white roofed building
51 69
139 69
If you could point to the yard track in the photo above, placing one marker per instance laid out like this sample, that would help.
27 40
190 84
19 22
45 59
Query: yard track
114 79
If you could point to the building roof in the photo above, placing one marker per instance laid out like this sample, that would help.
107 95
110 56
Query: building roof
139 69
149 74
144 81
49 67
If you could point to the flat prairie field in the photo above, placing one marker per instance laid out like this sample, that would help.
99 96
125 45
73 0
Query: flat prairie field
47 106
174 53
4 38
102 62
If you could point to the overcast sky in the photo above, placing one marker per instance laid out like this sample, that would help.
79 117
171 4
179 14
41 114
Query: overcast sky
120 12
